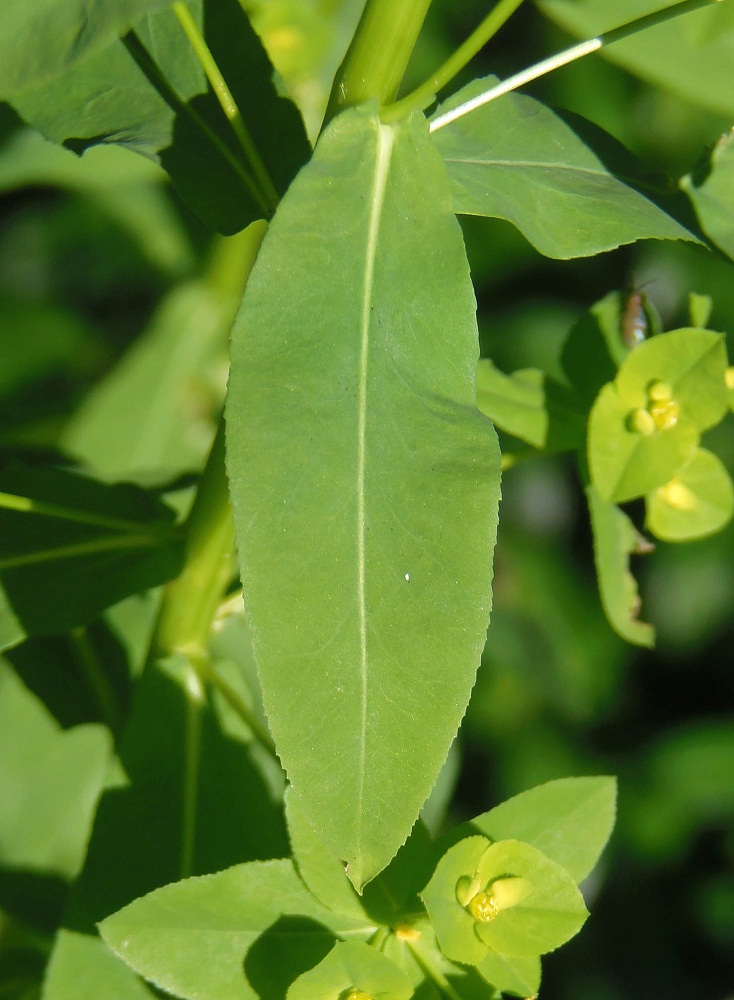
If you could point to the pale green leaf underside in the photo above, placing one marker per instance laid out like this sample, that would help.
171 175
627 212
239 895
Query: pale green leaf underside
40 39
365 482
515 159
713 195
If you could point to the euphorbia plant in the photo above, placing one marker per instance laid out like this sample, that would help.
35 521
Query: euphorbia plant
361 487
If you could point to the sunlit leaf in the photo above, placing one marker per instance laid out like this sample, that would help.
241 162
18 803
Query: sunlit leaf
364 482
569 188
711 189
697 502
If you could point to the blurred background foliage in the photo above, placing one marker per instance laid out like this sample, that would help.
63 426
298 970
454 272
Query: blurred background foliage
102 268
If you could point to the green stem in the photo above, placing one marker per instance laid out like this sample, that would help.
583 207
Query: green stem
27 505
424 95
377 58
93 547
567 56
208 673
153 72
195 698
434 974
96 676
227 103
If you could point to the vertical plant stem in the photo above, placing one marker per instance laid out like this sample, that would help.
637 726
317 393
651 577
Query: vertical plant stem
195 699
227 102
95 673
424 95
376 60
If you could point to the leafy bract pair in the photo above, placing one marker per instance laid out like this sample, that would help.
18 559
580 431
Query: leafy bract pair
268 929
645 406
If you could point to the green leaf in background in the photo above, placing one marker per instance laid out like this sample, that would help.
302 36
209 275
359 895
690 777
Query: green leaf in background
570 189
243 933
364 482
692 55
530 406
51 780
570 820
157 102
504 897
698 501
160 403
627 459
615 539
42 39
207 824
711 189
129 190
352 966
71 546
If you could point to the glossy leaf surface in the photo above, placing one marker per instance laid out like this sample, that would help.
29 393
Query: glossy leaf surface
364 481
615 539
567 187
242 934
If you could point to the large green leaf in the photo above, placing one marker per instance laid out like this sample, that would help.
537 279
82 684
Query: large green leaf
711 189
41 39
70 547
156 101
691 55
364 481
569 188
243 934
615 539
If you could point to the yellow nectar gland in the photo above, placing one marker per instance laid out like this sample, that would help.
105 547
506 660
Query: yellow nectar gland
677 495
483 907
659 392
357 995
664 414
404 932
641 422
729 377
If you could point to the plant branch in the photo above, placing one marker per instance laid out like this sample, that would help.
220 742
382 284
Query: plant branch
546 66
434 974
376 60
194 692
227 103
425 94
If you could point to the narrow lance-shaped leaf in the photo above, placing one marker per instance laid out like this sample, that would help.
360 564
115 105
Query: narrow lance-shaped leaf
570 189
365 482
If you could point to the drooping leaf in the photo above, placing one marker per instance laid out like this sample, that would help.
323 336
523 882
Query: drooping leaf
245 933
156 101
364 482
504 897
42 39
569 820
711 189
697 502
570 189
692 55
530 406
615 538
71 546
352 966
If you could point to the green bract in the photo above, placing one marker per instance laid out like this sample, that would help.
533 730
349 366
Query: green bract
352 971
505 897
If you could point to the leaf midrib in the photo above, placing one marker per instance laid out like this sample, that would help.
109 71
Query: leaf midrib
385 140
